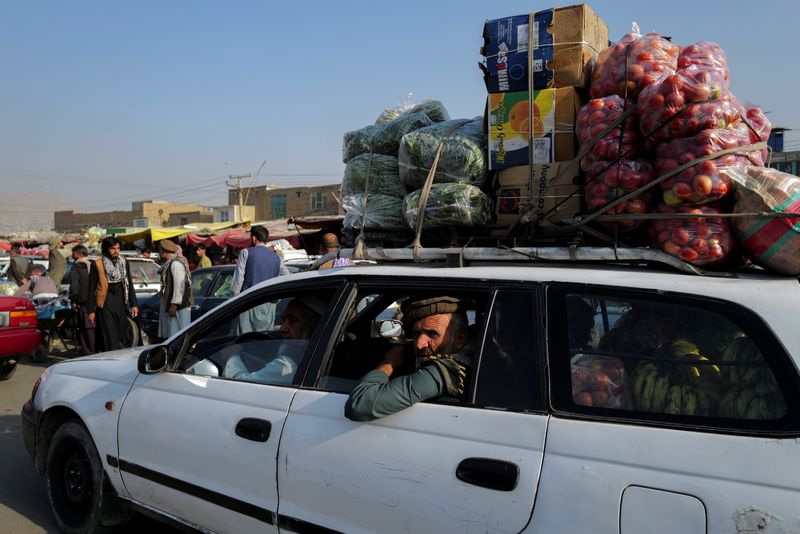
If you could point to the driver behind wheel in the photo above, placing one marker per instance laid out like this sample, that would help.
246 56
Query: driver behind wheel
297 325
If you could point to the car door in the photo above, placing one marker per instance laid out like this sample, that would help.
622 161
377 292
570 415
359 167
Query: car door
442 466
674 413
199 443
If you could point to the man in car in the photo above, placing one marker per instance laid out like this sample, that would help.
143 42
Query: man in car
176 291
112 296
79 297
20 267
297 323
440 342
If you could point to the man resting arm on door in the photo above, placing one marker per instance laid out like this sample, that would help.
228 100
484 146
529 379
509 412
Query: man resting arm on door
443 357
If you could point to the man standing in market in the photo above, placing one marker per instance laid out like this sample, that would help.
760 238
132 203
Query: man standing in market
329 244
176 291
203 261
257 263
57 262
79 298
20 267
111 296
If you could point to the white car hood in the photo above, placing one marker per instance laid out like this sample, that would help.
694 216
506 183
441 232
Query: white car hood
112 366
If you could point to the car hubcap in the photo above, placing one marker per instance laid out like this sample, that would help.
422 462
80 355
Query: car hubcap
76 482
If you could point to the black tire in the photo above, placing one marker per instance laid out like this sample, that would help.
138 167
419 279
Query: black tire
7 368
74 478
131 337
40 354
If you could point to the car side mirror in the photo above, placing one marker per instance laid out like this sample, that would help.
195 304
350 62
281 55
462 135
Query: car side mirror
391 329
153 361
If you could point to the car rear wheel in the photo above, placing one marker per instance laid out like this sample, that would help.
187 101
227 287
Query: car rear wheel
75 482
7 368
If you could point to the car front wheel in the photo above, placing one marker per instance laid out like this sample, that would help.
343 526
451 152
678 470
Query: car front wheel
74 477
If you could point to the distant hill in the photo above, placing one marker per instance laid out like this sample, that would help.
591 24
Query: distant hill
30 211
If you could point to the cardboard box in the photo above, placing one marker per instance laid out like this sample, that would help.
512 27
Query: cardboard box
519 187
561 43
510 117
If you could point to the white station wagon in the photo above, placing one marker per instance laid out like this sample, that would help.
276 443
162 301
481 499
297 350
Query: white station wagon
602 398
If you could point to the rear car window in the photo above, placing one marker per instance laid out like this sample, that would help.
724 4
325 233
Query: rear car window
667 359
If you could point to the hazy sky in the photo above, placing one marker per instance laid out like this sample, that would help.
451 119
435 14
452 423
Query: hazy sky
108 102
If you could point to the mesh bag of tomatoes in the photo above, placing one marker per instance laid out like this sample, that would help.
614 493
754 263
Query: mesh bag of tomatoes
605 183
621 142
706 181
701 241
632 64
599 381
704 54
683 104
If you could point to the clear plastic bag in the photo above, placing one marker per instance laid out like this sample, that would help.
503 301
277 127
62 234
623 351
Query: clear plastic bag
434 109
720 113
622 141
606 183
454 204
706 181
699 241
599 381
632 64
384 138
772 243
704 54
463 156
372 174
382 212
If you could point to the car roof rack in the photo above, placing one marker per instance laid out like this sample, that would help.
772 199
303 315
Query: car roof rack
460 256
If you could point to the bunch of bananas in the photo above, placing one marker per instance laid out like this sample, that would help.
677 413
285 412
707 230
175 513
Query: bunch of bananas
698 388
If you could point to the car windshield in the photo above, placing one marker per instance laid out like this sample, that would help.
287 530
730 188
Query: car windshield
144 271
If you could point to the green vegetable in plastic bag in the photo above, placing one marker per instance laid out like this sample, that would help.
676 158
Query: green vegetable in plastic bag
453 204
384 176
359 142
383 212
434 109
382 138
463 157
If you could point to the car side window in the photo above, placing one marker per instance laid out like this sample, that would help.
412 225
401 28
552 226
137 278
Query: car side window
664 359
201 282
509 375
222 285
266 342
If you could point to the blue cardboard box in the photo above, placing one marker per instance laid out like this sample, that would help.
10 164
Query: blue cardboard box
555 47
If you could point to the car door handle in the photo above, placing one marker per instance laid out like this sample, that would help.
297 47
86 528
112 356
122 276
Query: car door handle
488 473
253 429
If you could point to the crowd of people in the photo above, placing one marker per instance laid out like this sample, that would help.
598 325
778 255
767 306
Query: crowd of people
102 293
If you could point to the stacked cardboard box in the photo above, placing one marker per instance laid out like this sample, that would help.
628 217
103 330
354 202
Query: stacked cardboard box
548 53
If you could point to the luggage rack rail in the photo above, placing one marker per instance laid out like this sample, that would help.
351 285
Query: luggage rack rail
459 256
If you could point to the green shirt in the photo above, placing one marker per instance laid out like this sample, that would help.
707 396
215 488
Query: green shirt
205 261
376 396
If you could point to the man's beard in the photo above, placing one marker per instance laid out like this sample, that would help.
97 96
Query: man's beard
425 354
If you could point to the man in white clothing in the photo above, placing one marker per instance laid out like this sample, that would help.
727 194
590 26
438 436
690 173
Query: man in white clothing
176 291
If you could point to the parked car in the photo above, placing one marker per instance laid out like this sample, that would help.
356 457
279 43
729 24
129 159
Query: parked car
602 398
210 287
19 334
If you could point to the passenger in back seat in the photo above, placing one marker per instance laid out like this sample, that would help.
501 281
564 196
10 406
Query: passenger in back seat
443 359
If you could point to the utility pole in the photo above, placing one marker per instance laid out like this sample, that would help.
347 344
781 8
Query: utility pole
238 187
